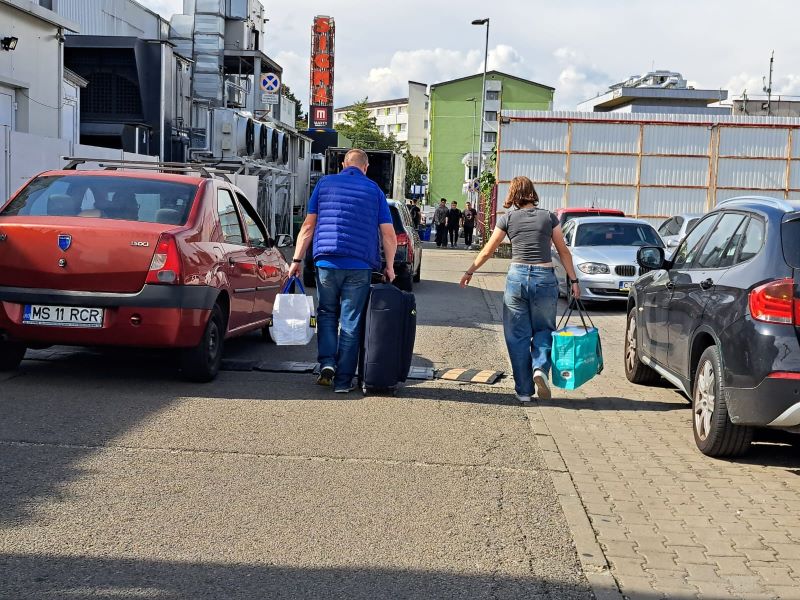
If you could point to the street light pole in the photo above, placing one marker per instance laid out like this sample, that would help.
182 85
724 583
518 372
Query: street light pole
472 148
483 91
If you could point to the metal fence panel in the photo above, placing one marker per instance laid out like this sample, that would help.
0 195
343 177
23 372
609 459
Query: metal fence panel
665 202
794 175
796 143
551 197
600 168
751 173
537 167
619 197
725 194
755 142
535 136
676 139
674 171
605 137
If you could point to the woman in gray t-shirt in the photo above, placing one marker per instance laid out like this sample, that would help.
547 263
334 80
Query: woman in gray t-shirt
531 295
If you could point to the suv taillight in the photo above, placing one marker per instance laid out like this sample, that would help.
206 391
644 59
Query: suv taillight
774 302
166 264
403 248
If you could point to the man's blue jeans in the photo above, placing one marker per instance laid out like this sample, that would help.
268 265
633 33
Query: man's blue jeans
529 319
341 298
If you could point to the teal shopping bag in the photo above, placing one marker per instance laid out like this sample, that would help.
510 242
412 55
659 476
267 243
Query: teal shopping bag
577 353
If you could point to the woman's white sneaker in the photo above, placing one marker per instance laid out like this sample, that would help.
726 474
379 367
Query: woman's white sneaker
542 385
523 399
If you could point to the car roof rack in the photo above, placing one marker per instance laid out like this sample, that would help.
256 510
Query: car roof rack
774 202
206 171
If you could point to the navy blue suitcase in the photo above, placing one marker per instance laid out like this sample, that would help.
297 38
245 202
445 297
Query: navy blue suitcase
390 326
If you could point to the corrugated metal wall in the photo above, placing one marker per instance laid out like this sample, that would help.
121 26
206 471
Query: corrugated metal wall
650 166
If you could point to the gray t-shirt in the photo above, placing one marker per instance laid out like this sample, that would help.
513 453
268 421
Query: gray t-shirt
531 233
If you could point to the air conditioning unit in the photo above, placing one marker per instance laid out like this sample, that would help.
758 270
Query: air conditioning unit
234 95
233 134
274 148
245 136
284 144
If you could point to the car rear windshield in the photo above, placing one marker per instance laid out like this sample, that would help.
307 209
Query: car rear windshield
590 213
397 220
617 234
790 232
105 197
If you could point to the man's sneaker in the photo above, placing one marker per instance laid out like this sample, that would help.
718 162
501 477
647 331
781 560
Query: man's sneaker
523 399
326 376
344 390
542 385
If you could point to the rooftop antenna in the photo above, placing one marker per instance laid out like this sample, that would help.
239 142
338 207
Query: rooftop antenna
768 86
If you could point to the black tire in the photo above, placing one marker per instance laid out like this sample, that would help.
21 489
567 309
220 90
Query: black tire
201 363
714 433
265 336
404 280
11 354
418 274
635 370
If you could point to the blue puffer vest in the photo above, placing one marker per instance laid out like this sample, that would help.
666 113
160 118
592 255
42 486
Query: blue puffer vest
347 218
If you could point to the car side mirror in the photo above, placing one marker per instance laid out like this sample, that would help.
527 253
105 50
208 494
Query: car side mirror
673 243
651 257
284 240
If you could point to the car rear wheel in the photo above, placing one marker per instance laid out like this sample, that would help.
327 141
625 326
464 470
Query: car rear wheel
11 354
635 370
714 433
201 363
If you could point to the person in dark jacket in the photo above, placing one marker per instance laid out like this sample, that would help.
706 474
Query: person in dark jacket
469 217
440 221
348 218
453 223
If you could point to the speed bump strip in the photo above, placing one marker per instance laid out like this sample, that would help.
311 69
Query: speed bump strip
469 375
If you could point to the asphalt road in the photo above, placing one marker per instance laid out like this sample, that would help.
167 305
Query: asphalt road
118 480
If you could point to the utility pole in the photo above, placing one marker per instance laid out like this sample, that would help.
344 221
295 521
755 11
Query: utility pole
768 87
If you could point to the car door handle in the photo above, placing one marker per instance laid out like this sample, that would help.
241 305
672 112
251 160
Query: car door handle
231 261
707 283
260 263
670 285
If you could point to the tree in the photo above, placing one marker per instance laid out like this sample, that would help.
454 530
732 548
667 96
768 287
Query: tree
301 118
361 129
415 169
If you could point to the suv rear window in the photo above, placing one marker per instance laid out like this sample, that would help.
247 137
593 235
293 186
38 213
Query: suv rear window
397 220
105 197
790 232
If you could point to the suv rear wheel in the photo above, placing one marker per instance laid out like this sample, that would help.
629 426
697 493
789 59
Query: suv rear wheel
635 370
11 354
201 363
714 433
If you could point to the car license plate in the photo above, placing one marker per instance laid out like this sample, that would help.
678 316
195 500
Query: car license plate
62 316
625 286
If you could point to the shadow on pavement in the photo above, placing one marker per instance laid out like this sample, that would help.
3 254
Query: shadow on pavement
613 404
106 579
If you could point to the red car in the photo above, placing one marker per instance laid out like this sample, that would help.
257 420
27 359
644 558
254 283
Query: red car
110 258
566 214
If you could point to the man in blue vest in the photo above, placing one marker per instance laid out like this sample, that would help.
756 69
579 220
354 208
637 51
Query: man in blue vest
348 217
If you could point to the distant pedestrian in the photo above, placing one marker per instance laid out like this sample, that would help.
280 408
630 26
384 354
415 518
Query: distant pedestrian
453 223
347 218
469 218
416 213
531 294
440 221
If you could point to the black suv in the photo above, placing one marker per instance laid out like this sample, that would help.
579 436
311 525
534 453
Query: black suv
721 321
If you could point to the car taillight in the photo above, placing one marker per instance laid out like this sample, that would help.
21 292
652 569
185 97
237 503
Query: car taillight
774 302
402 239
166 264
784 375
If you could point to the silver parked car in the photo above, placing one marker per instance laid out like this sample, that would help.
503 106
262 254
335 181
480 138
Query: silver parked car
604 252
674 229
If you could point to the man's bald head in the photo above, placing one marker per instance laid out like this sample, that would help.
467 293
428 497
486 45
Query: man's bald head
356 158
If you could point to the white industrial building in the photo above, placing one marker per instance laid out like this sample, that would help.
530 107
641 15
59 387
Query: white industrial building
651 166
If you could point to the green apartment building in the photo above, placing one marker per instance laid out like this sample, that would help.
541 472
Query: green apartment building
455 126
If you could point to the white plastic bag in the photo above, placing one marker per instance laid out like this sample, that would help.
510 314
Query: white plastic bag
294 319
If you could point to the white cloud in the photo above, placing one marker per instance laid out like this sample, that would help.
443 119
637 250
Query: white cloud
787 85
579 79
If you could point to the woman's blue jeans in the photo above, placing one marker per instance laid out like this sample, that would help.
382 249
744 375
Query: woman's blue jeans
529 319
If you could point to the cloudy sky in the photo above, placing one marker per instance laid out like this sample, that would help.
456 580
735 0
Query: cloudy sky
578 47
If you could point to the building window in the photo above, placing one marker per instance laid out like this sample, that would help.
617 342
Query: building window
401 127
490 137
426 105
425 124
401 110
425 142
301 148
388 112
491 115
492 95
